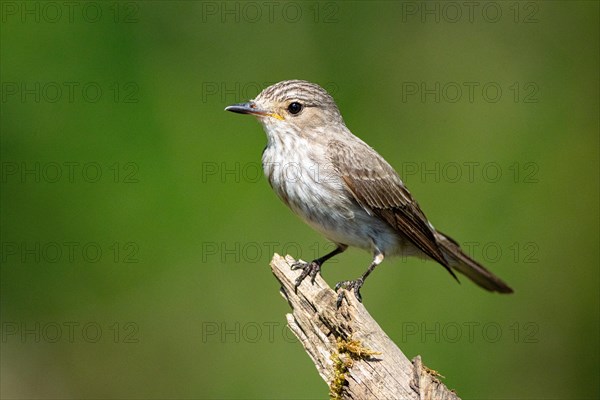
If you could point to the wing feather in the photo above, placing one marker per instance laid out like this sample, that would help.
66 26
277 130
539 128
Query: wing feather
380 191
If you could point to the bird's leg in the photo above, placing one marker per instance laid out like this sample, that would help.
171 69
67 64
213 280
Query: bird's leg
312 268
355 285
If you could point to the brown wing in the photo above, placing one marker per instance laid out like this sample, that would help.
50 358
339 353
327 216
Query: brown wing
380 191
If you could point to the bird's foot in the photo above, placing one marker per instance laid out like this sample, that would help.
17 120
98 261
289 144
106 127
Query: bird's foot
354 285
308 268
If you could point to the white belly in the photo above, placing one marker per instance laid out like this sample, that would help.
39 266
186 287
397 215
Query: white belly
318 195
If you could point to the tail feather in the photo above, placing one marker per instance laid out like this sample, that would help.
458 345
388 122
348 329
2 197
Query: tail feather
464 264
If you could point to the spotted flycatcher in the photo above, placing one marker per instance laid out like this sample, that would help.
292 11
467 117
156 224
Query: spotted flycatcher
344 189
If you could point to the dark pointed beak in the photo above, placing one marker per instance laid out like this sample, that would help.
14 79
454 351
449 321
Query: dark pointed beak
250 107
245 108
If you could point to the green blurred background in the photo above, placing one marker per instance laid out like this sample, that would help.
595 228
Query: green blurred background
137 228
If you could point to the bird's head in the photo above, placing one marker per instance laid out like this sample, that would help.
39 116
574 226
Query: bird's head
293 106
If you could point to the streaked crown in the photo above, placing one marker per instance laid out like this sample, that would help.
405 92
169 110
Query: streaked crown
311 94
300 105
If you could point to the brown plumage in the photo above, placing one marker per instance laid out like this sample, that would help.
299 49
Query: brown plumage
379 190
343 188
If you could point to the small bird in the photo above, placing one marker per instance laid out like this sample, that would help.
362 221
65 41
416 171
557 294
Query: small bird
344 189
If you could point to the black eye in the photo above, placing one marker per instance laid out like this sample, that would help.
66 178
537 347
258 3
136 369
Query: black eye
295 107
